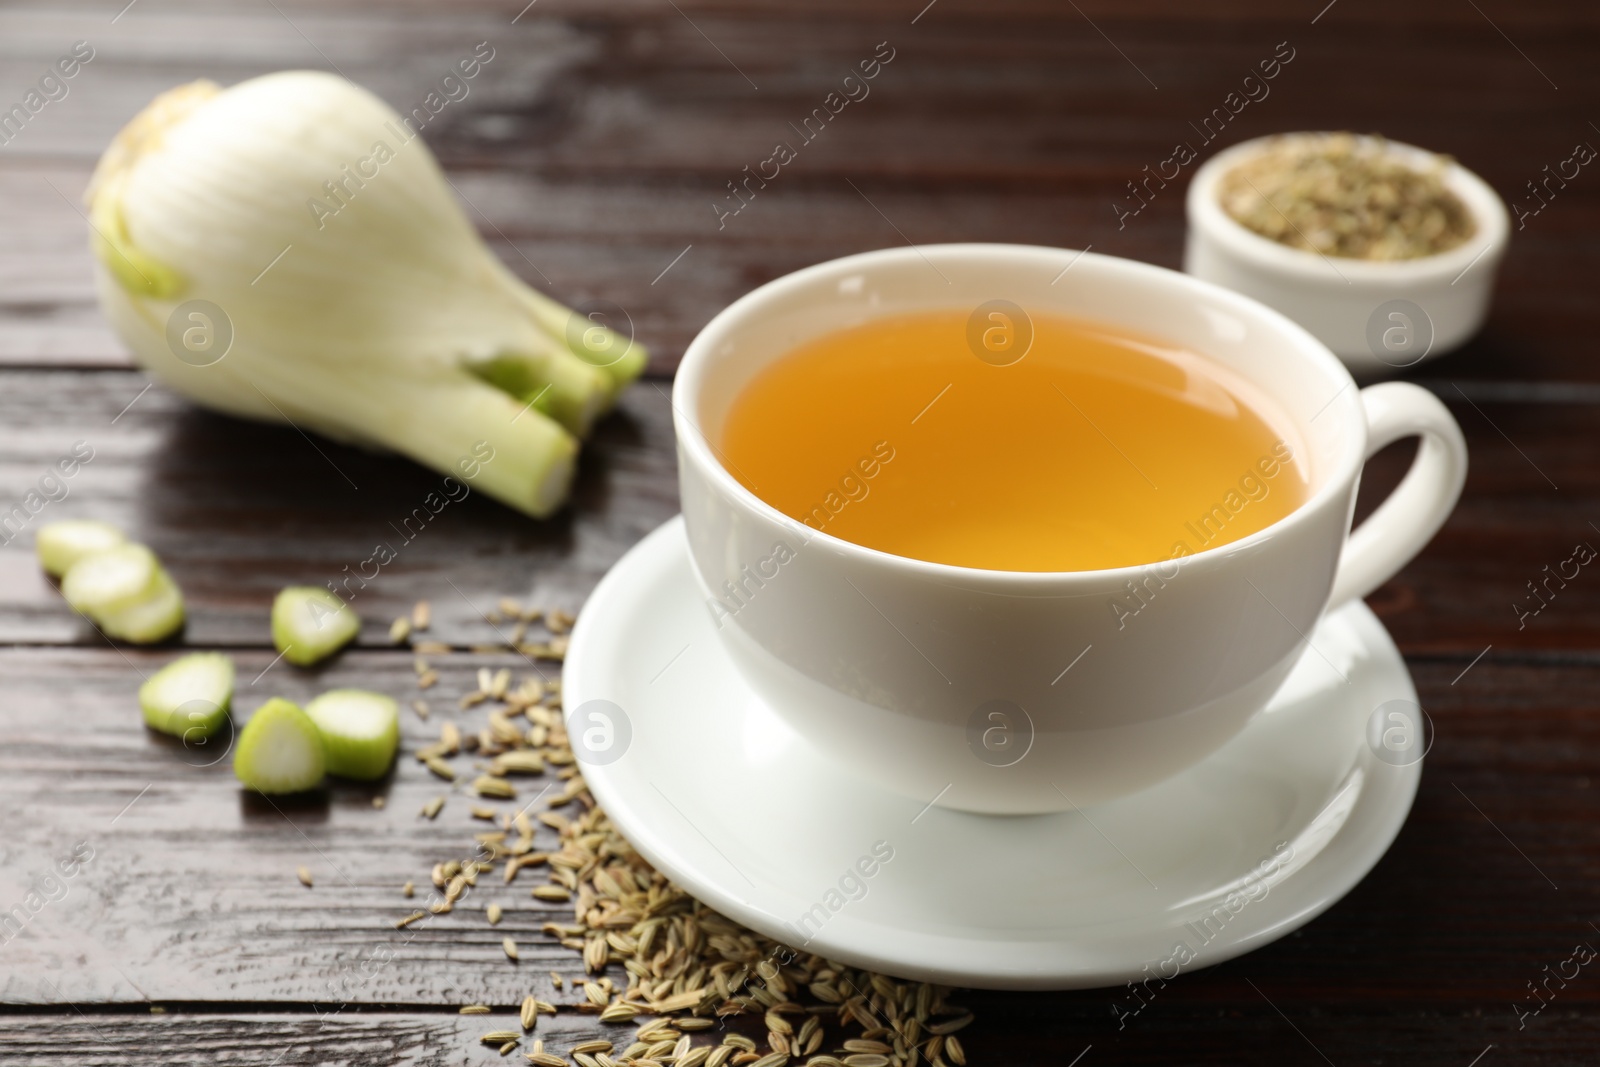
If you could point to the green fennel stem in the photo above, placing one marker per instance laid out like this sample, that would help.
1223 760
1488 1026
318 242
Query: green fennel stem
618 357
566 389
483 436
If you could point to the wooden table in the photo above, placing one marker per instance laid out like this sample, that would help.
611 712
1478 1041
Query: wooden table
591 150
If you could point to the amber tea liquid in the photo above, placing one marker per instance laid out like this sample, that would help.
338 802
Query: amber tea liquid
1096 449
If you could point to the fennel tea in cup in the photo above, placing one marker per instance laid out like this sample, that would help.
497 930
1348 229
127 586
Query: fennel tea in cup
1095 448
1016 530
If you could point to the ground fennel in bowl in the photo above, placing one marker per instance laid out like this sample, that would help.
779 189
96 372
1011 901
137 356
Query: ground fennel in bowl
1348 196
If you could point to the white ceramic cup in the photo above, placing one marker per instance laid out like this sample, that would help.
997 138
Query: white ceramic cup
1018 692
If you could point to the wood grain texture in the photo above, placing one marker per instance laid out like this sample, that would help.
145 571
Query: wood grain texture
590 153
235 508
241 509
592 150
191 903
311 1038
192 892
1195 1030
1200 1032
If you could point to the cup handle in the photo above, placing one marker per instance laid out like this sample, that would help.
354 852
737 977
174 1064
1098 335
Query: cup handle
1413 513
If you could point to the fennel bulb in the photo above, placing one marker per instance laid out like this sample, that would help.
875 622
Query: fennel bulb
288 249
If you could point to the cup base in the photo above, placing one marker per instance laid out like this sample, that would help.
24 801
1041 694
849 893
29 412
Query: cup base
714 789
1044 772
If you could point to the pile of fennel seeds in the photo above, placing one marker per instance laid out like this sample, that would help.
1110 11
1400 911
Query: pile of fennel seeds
703 982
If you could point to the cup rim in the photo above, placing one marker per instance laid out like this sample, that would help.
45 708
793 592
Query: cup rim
1479 198
692 442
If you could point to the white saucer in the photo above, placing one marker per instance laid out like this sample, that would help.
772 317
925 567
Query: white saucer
721 796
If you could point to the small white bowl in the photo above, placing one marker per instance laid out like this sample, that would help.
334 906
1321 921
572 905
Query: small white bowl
1377 316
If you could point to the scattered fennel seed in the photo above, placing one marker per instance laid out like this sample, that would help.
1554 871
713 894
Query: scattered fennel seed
648 947
499 1037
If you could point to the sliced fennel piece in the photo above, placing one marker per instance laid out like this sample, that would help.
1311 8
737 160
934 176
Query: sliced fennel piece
360 731
61 544
119 577
153 618
189 697
125 591
376 331
279 750
309 624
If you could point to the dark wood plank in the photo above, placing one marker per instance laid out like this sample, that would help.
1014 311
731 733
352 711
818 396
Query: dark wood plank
597 143
239 510
1246 1034
592 150
191 896
235 507
310 1038
1207 1035
1529 503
